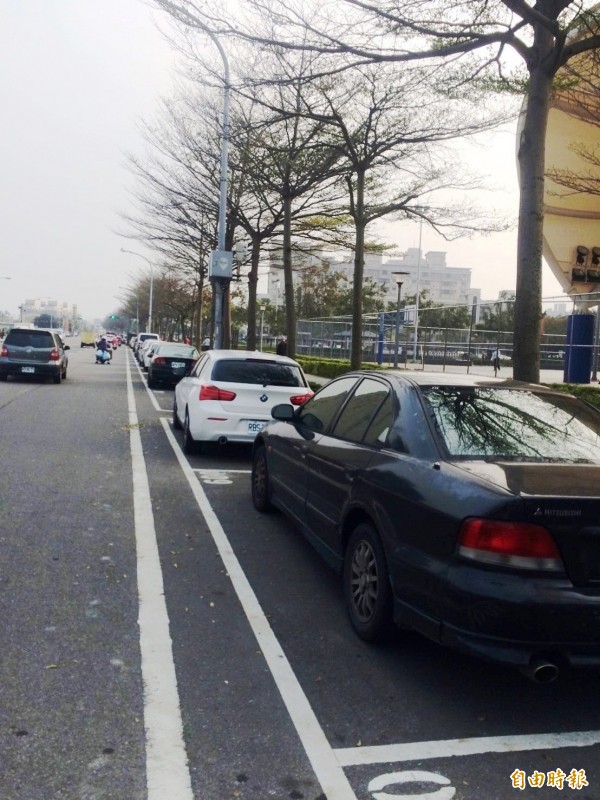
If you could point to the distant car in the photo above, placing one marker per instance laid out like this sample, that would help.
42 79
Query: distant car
464 507
87 339
171 362
229 394
33 352
142 337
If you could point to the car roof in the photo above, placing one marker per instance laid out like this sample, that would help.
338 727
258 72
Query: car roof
424 378
254 355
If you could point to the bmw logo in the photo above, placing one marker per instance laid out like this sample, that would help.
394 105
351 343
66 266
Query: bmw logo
263 398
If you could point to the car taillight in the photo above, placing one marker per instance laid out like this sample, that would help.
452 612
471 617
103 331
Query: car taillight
54 354
158 360
509 544
298 399
4 351
214 393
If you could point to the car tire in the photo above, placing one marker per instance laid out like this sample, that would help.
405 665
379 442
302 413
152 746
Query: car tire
151 383
176 423
367 589
3 377
58 377
261 499
190 445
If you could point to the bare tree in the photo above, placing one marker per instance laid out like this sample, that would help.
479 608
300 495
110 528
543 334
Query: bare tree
473 38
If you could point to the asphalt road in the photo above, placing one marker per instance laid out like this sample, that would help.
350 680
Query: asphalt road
161 639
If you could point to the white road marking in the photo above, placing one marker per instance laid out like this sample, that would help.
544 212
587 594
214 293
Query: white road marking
411 776
319 751
167 771
419 751
223 471
334 783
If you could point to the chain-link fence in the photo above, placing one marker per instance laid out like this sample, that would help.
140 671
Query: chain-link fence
436 344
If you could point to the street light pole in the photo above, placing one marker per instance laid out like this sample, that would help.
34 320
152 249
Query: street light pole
399 281
418 289
221 262
150 299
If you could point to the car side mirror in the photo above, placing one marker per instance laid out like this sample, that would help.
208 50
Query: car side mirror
284 412
66 346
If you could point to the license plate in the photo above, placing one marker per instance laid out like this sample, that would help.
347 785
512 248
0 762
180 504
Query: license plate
178 364
254 426
27 369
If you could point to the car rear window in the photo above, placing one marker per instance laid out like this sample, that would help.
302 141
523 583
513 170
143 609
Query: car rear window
181 350
514 424
39 339
262 373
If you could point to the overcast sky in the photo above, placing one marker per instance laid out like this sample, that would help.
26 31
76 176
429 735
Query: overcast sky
75 78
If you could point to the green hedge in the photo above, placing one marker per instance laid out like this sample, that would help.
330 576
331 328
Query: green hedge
330 367
591 394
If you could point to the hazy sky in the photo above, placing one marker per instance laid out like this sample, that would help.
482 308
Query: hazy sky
75 78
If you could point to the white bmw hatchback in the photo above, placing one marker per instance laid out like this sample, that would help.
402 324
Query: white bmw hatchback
229 395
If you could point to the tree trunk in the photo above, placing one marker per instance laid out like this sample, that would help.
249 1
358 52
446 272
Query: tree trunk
531 158
359 262
288 277
252 286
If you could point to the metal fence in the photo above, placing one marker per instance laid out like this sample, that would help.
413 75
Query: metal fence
331 338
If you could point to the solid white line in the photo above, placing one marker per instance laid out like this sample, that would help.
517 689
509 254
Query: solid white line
167 771
330 775
418 751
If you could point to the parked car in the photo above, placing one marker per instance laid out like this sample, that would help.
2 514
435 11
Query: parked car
463 507
147 350
143 337
229 394
170 363
33 351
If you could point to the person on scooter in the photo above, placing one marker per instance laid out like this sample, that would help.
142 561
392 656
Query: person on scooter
103 354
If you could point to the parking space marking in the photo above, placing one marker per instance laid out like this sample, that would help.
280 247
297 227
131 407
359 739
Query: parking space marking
167 771
219 477
420 751
329 763
327 769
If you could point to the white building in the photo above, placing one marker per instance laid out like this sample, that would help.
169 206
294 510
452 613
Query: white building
424 271
61 313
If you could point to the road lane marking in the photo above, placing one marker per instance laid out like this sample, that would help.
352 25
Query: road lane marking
411 776
167 770
311 734
420 751
329 773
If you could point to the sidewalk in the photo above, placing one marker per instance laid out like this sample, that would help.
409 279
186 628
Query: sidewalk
546 375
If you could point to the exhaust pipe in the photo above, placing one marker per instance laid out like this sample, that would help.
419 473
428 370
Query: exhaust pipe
222 440
541 670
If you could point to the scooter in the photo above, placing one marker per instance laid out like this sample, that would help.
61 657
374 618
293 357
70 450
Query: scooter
102 356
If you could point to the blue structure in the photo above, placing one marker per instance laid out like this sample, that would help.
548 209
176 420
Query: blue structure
580 348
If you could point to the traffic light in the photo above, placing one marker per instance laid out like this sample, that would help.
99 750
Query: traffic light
114 316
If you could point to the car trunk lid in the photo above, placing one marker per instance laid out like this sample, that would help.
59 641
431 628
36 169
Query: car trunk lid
565 499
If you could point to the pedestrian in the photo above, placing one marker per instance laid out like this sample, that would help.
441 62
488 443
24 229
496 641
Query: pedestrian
496 360
206 343
281 348
187 340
